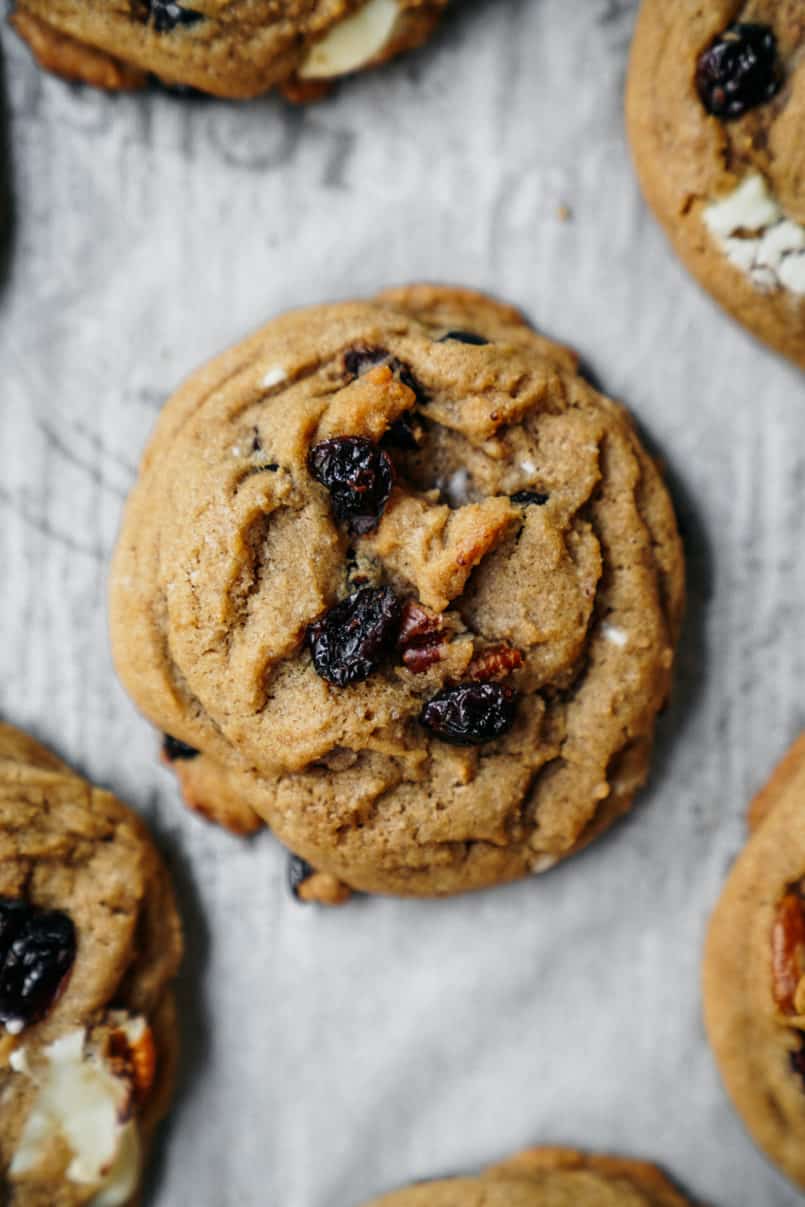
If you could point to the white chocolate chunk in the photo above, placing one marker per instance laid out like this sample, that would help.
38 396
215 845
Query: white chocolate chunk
754 234
543 863
750 207
121 1181
456 488
352 42
792 273
273 377
614 635
785 236
79 1099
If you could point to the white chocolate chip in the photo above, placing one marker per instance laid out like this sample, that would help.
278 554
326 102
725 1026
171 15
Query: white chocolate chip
614 635
455 489
750 207
274 377
15 1026
754 234
121 1181
19 1061
80 1100
792 273
353 42
543 863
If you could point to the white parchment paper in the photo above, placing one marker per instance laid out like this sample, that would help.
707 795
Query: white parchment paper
333 1055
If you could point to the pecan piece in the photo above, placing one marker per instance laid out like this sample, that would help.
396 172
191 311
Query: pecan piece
788 950
495 663
420 637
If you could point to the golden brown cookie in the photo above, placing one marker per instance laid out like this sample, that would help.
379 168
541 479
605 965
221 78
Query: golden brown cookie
410 586
89 945
754 971
547 1177
716 114
233 48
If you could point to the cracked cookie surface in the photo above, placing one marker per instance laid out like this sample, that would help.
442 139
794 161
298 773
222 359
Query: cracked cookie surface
754 971
547 1177
457 690
231 48
716 114
85 1072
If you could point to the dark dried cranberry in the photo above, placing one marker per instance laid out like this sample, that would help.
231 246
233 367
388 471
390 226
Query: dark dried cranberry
739 70
173 749
359 477
37 950
299 870
529 498
166 15
797 1059
471 713
13 916
350 641
405 433
363 357
463 337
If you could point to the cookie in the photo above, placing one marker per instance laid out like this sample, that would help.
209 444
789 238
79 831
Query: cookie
547 1177
89 945
231 48
716 111
408 585
754 971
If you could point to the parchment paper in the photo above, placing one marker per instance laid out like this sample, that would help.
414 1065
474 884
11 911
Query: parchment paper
332 1055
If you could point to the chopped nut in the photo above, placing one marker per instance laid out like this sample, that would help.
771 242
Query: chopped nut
132 1055
495 663
788 951
324 889
799 998
420 638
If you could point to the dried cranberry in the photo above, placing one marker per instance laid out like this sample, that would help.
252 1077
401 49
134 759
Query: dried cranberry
463 337
359 477
363 357
471 713
349 642
37 950
173 749
405 433
299 870
166 15
739 70
529 498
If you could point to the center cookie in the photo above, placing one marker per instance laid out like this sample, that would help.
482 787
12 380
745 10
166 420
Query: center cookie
547 1177
409 585
89 945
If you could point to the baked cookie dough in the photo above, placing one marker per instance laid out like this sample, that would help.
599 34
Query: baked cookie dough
407 588
754 971
231 48
547 1177
89 944
716 115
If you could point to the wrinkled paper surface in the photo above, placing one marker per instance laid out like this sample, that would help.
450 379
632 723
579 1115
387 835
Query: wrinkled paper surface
329 1056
